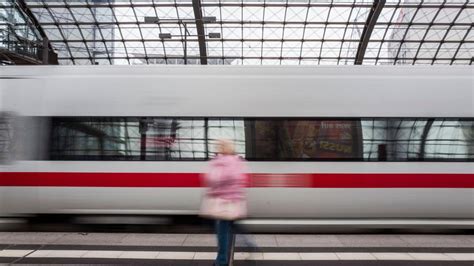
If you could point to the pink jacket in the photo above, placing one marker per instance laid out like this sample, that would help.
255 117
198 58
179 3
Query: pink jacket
226 177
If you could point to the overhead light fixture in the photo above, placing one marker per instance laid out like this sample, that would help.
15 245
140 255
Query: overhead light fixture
214 35
158 20
152 19
209 19
165 35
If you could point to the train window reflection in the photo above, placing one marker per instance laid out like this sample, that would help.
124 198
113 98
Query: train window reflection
399 139
127 139
305 139
267 139
6 136
231 129
449 140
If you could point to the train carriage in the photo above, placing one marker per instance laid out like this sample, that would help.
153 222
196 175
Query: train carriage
384 145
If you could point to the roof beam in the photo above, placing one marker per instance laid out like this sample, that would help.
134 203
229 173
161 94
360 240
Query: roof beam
368 28
24 7
254 40
304 3
261 57
253 22
200 31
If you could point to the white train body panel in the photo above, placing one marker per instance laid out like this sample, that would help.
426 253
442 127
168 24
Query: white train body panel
368 91
242 92
263 202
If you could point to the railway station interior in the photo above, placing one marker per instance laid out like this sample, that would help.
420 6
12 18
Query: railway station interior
237 132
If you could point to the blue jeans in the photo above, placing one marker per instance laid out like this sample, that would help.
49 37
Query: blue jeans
225 241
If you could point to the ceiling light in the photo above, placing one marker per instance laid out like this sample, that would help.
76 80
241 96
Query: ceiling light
165 35
214 35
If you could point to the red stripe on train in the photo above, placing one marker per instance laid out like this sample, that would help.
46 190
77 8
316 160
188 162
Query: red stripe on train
190 180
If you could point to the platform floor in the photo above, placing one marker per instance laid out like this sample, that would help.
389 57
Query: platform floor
199 249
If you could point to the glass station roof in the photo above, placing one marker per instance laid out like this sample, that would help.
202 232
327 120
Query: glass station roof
258 32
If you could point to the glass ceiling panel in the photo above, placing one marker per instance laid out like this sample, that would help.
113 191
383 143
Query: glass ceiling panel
255 32
418 32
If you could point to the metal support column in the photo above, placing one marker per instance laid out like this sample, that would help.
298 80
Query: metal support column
200 31
45 51
368 28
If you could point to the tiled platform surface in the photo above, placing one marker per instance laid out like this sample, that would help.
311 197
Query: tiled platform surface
209 240
275 256
199 249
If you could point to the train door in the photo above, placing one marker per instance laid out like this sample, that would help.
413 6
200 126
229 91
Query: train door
22 146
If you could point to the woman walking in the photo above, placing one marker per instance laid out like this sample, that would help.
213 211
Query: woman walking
225 200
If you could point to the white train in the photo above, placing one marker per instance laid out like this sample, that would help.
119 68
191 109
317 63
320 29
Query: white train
366 145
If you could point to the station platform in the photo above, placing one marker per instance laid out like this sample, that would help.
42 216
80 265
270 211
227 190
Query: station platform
199 249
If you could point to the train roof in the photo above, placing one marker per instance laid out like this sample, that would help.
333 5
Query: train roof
239 91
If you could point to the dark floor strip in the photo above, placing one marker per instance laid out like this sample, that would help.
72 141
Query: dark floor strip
238 263
7 260
24 246
247 249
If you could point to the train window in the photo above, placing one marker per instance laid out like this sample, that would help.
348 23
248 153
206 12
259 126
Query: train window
6 136
308 139
392 139
418 139
267 139
231 129
127 139
449 140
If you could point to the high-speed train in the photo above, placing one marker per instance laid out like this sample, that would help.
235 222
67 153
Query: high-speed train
374 145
